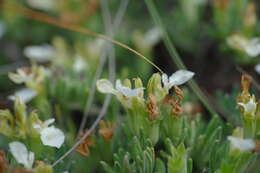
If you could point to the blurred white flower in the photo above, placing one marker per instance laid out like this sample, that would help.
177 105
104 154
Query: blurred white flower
105 86
152 36
22 75
79 65
21 154
257 68
41 53
93 48
25 94
50 136
145 41
177 78
241 144
250 106
250 46
42 4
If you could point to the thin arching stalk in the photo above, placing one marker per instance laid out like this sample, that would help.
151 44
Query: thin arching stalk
41 17
108 51
117 21
175 56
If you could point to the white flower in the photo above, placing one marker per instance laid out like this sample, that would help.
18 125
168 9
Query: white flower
250 46
177 78
79 65
105 86
257 68
241 144
22 75
50 136
21 154
126 91
40 53
152 37
25 94
145 41
42 4
250 106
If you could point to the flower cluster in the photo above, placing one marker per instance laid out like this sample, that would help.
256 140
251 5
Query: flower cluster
23 125
125 93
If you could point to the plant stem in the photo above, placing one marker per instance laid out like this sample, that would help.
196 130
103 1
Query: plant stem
175 56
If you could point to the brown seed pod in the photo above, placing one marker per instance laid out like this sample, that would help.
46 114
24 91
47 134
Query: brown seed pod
83 148
106 129
179 93
152 108
176 108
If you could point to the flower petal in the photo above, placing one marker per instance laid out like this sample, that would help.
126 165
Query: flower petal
79 65
180 77
249 107
257 68
48 122
105 86
21 155
30 159
128 92
253 47
25 94
16 78
40 53
52 136
165 80
241 144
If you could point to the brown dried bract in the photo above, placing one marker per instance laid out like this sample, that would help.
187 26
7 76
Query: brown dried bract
179 93
176 108
106 129
152 108
3 162
83 148
175 104
175 101
246 81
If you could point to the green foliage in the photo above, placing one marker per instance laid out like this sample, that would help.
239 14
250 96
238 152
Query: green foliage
146 128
